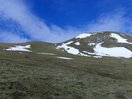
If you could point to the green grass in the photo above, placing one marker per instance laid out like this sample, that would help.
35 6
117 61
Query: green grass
34 76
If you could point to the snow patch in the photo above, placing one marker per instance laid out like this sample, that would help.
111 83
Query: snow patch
119 38
82 54
65 58
68 49
113 52
19 48
46 53
77 43
84 35
69 42
97 56
89 53
91 44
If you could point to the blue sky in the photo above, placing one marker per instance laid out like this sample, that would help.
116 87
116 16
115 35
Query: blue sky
60 20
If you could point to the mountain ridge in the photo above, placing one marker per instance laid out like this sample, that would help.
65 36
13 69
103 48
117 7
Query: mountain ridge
95 44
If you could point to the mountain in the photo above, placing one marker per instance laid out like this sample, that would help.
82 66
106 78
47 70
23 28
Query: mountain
40 70
110 44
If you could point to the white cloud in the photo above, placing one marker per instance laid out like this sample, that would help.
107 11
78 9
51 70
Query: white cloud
37 29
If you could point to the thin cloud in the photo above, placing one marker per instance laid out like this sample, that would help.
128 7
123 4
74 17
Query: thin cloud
114 22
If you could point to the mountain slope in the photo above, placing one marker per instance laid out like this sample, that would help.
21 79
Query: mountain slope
112 44
44 72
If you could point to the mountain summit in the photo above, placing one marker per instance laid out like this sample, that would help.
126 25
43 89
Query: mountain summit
110 44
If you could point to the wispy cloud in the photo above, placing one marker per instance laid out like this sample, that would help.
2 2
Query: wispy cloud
112 21
37 29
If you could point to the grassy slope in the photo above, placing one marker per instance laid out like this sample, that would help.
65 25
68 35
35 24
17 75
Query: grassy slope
34 76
